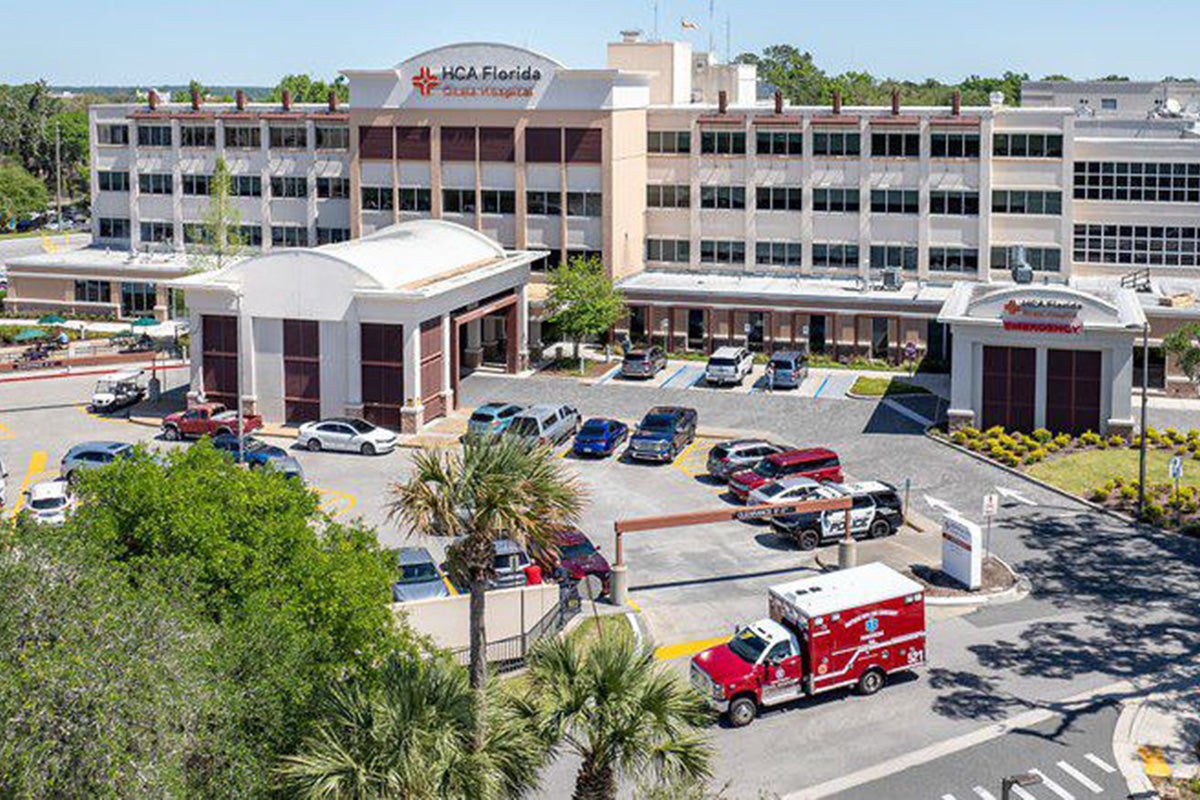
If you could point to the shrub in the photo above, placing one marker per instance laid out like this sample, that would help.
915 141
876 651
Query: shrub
975 445
1035 456
972 433
1063 440
1050 447
1102 444
1135 441
1191 528
1090 439
1010 460
1006 441
1128 493
994 431
1116 441
1153 513
1180 451
1042 435
1099 494
1118 481
958 437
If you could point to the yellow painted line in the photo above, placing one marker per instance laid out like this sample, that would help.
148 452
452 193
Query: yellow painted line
333 496
1153 763
87 412
37 465
634 606
670 651
5 432
449 585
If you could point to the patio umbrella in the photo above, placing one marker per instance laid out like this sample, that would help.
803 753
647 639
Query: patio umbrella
29 335
145 322
52 319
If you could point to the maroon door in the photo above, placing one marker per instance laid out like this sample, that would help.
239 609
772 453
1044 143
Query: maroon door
301 370
382 357
1073 391
1009 378
432 397
219 358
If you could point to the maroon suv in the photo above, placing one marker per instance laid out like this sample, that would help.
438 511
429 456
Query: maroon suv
817 463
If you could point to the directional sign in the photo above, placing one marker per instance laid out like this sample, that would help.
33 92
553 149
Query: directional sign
1176 467
766 513
991 504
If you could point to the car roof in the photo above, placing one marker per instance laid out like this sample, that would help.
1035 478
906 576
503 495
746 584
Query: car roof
788 354
541 410
601 421
571 536
670 410
48 489
496 406
805 454
796 480
726 352
409 556
738 444
504 547
344 420
104 446
861 487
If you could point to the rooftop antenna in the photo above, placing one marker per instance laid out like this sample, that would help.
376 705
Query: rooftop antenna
711 25
656 20
728 50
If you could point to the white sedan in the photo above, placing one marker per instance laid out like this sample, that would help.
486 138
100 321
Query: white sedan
49 502
348 434
787 490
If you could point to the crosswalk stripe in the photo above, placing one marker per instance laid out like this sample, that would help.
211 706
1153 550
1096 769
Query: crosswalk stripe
1101 763
1079 776
949 797
984 794
1021 793
1052 786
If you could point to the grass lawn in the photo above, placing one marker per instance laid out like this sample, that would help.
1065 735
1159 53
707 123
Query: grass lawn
884 387
1079 473
569 367
610 625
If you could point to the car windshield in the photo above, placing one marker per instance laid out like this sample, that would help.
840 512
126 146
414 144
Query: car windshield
360 425
105 387
579 550
593 429
482 416
418 573
720 451
524 426
772 490
47 503
781 363
635 357
748 646
721 362
658 422
767 468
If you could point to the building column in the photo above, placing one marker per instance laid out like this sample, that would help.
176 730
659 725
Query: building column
473 353
195 357
523 327
963 389
447 363
1039 388
247 363
354 401
412 413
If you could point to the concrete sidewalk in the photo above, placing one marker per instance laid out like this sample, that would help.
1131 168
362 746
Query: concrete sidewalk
1157 737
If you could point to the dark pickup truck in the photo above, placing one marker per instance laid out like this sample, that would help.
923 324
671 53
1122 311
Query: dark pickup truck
662 433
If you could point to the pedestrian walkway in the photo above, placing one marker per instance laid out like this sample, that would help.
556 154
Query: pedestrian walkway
1060 781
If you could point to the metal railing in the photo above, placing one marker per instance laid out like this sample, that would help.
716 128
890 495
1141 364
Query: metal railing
509 654
1138 280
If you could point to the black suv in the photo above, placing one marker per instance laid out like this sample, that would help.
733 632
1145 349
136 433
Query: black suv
662 433
876 510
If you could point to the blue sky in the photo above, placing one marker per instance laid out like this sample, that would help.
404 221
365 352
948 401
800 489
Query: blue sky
253 42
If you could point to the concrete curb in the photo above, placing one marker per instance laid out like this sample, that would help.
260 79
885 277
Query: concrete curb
1125 750
1018 591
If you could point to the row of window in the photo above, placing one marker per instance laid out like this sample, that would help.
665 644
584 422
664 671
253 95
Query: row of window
1041 259
883 201
284 137
1137 181
491 201
248 235
240 185
1150 245
942 144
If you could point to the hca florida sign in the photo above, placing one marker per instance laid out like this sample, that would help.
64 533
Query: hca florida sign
474 80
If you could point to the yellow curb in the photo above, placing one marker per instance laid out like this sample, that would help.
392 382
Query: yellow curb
5 432
670 651
1153 763
37 465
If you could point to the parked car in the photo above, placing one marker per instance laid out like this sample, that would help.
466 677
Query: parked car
289 466
728 366
737 455
663 433
579 556
255 452
118 390
600 437
207 419
91 455
817 463
49 501
790 489
419 577
790 368
491 419
346 433
876 511
643 363
545 424
509 565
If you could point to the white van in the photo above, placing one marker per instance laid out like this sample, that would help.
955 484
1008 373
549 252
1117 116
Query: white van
545 424
729 365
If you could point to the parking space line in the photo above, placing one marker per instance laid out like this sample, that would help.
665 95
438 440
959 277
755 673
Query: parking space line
821 388
674 375
37 465
333 497
608 376
5 433
671 651
449 585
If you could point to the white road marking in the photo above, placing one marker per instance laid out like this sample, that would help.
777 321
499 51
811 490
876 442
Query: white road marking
984 794
941 505
949 797
1012 494
1079 776
1052 786
1101 763
1021 793
908 412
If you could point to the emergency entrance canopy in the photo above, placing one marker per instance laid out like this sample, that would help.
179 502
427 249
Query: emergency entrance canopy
836 591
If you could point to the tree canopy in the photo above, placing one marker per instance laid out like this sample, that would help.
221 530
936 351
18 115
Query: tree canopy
307 89
21 194
582 300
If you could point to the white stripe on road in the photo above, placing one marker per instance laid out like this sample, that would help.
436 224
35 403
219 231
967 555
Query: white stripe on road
1052 786
908 412
949 797
1079 776
1101 763
1021 793
984 794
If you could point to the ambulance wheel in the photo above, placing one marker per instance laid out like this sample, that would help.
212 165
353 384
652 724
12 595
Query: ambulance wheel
808 540
880 528
870 682
742 711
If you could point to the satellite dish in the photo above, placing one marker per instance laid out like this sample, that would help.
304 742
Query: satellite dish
1173 107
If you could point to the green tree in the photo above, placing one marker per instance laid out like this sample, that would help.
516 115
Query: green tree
1183 344
582 300
611 706
221 238
409 732
792 71
306 89
491 490
185 95
1056 77
21 194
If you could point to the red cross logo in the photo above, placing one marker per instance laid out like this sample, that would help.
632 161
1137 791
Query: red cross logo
425 81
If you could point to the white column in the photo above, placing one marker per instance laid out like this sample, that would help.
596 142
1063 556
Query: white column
1039 388
247 361
447 361
196 355
522 327
353 363
412 414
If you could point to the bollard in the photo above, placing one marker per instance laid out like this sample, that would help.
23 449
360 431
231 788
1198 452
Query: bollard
619 586
847 553
153 390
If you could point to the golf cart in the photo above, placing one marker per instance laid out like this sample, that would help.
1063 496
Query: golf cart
118 390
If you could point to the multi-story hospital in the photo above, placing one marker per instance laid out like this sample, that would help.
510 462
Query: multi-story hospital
1026 245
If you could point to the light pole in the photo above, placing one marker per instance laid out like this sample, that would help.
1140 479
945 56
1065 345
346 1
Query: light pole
1023 780
58 175
1141 504
240 414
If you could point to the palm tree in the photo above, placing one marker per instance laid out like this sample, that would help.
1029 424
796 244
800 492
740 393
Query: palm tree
493 489
408 731
610 705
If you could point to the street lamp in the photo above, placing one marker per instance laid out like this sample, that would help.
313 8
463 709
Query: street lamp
1023 780
1141 504
240 414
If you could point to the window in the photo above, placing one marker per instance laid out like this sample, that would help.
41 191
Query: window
893 255
837 256
1143 245
1041 259
417 200
896 145
245 186
677 250
113 181
584 204
836 143
288 187
243 136
722 251
458 201
498 201
1150 182
289 137
161 232
835 200
197 136
196 184
1028 145
779 198
155 183
668 196
250 235
154 136
114 228
541 203
289 236
333 188
332 137
668 142
779 143
93 292
138 299
1108 104
583 145
951 144
723 143
894 201
332 235
112 134
722 197
954 203
194 233
953 259
1013 201
778 254
376 198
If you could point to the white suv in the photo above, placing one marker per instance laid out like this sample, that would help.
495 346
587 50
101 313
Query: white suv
729 365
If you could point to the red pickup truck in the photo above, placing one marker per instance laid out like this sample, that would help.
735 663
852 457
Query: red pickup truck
206 419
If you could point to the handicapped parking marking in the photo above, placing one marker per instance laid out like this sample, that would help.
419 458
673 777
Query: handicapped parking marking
37 468
693 461
336 503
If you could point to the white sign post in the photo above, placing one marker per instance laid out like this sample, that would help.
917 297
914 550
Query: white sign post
962 551
1176 467
991 504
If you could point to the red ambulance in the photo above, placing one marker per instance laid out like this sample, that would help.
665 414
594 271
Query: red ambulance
853 627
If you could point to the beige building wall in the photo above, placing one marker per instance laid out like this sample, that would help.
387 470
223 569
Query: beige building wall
510 612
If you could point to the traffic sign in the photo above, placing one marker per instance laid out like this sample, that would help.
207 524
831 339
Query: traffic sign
1176 467
991 504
